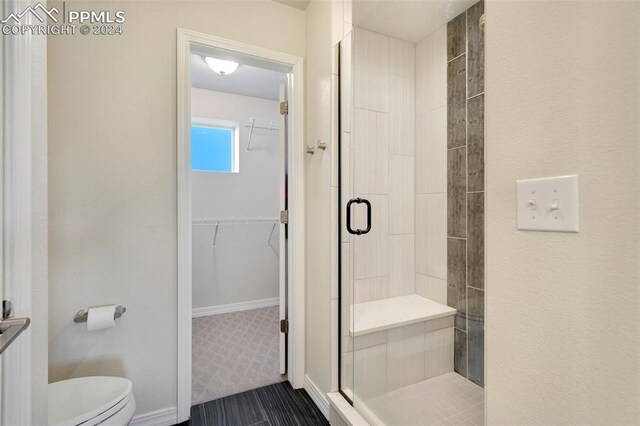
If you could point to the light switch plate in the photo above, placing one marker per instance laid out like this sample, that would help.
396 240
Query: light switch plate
548 204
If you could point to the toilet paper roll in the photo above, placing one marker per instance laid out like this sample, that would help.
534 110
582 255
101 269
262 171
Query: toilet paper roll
101 317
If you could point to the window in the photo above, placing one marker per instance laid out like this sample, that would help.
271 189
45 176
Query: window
214 146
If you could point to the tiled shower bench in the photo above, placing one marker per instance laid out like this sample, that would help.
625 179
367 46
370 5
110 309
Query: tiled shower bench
396 342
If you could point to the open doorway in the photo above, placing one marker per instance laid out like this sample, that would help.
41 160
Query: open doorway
238 188
241 219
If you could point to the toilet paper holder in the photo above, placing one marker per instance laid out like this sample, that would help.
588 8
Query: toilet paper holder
82 315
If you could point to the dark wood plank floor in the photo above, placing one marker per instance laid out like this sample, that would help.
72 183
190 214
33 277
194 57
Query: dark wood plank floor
274 405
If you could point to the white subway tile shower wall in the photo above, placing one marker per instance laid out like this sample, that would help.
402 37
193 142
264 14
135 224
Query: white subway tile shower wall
383 164
431 166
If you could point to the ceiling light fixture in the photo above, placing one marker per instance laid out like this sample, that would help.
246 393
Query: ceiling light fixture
220 66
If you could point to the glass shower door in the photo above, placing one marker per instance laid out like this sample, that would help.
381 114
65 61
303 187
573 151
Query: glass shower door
411 203
365 187
346 238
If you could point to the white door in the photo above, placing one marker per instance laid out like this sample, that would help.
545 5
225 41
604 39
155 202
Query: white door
284 83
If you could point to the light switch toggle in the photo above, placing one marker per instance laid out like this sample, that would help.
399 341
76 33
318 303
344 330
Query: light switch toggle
532 204
555 205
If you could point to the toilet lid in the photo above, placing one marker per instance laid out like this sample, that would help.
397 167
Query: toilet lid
76 401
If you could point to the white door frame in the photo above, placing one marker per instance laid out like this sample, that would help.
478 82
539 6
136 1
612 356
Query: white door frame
296 180
16 360
24 217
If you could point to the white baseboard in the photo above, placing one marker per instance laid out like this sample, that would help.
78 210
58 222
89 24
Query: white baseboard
164 417
235 307
317 396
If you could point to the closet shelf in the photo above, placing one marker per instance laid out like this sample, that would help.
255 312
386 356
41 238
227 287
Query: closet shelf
235 221
259 123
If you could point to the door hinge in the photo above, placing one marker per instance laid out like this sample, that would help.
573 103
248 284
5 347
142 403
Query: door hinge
284 216
284 108
284 326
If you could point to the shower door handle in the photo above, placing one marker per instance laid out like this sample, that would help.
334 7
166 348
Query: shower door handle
368 205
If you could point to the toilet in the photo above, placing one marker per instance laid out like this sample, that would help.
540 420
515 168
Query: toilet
89 401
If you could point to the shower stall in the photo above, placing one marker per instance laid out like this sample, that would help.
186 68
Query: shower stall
412 212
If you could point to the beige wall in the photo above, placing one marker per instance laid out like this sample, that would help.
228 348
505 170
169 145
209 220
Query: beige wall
112 182
563 324
318 127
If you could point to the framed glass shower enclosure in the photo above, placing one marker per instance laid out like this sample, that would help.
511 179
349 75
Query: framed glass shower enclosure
411 142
